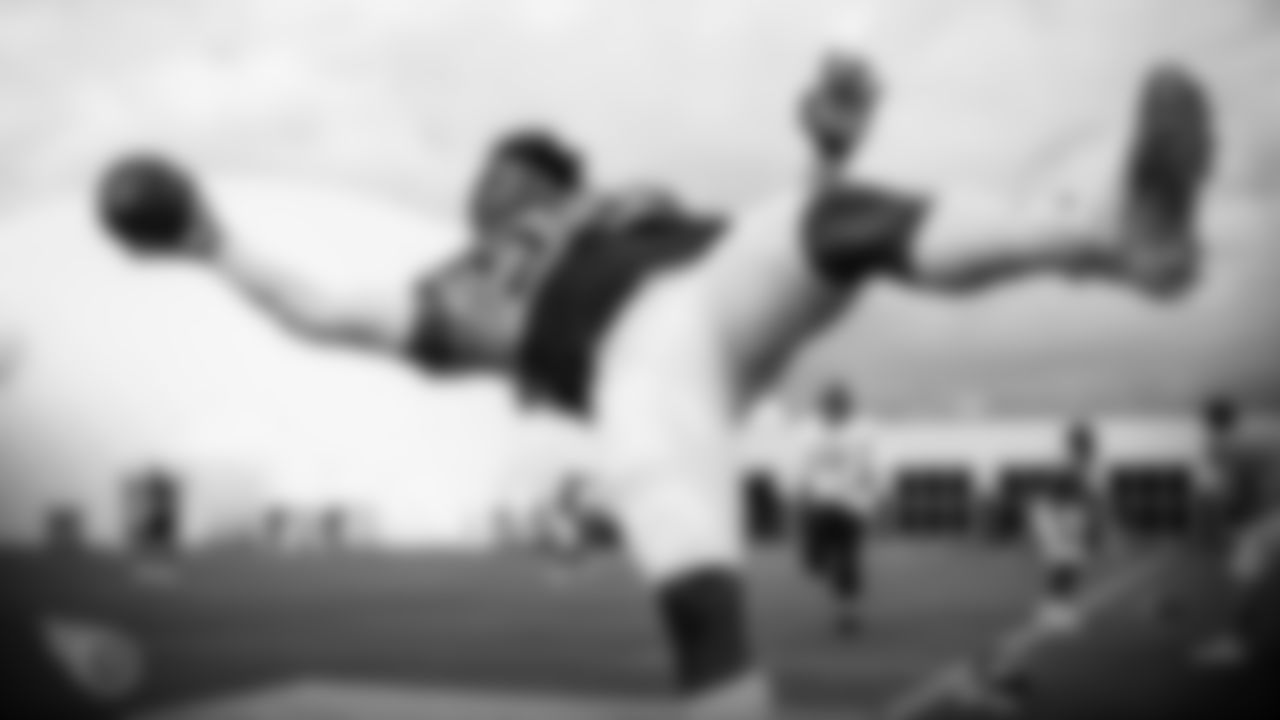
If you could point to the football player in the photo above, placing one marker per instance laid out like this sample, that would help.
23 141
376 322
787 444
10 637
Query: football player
659 325
1064 521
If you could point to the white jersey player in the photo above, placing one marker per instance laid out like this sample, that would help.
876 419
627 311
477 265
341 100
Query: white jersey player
1246 468
1063 522
840 495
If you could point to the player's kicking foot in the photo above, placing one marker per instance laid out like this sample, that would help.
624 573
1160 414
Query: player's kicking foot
1171 161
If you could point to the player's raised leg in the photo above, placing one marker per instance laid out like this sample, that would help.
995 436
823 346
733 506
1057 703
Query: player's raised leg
666 410
791 264
1143 231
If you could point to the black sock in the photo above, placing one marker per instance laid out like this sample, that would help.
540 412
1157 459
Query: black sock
705 614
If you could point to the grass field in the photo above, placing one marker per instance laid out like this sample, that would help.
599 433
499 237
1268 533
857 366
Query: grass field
509 623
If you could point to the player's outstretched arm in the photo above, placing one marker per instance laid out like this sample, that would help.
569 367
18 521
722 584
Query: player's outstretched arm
1145 235
155 209
970 241
379 321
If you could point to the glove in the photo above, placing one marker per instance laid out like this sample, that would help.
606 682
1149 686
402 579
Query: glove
151 206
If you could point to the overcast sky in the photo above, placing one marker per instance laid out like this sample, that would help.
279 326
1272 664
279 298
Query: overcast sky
391 101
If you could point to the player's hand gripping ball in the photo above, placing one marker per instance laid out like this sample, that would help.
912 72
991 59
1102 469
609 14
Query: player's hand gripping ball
151 206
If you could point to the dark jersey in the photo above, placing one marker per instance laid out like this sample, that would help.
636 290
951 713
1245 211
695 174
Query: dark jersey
854 230
600 272
850 232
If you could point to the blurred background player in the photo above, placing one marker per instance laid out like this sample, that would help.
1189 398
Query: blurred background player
1242 462
1064 524
553 492
565 527
838 497
1237 465
1207 658
155 519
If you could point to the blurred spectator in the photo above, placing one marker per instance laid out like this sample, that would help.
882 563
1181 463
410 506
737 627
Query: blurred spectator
1238 463
1063 524
154 498
839 494
1248 531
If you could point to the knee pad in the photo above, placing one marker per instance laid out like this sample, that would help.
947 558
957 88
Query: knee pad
705 614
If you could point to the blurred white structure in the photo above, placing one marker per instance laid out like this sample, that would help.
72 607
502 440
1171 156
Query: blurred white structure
984 445
128 365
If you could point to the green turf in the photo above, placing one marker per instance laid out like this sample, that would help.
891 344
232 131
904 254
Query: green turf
509 623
